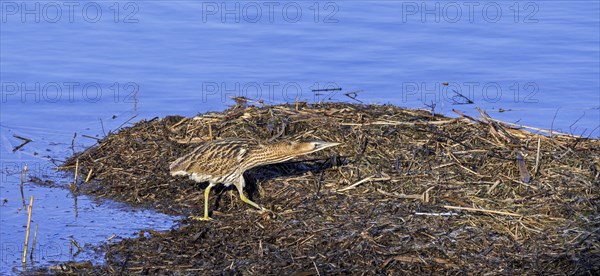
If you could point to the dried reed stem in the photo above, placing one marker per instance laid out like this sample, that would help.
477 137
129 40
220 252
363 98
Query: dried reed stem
447 214
74 242
482 211
29 211
396 123
537 157
87 178
401 196
316 268
26 141
74 188
366 179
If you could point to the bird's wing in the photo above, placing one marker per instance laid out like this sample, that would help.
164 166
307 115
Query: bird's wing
213 159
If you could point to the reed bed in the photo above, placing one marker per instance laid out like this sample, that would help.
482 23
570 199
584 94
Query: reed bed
406 192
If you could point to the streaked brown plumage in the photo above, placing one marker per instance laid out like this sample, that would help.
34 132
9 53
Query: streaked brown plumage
225 161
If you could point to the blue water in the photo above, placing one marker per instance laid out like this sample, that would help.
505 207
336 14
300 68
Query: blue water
62 218
78 71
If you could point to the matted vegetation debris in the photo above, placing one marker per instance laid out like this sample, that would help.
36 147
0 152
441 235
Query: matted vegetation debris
406 192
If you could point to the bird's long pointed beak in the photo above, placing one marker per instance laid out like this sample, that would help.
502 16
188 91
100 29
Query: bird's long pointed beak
325 145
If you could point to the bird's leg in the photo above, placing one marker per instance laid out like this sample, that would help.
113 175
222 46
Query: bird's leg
206 194
240 188
247 200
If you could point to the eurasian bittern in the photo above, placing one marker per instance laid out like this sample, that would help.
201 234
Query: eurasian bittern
225 161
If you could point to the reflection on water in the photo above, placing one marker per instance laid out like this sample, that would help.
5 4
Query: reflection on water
535 63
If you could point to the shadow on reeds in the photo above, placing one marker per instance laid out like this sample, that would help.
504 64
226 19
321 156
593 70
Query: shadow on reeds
265 173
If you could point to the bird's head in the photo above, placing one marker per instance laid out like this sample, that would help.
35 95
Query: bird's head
306 147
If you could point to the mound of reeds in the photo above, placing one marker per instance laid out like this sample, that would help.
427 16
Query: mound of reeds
406 192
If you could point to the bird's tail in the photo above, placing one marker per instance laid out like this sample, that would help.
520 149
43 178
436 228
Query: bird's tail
176 167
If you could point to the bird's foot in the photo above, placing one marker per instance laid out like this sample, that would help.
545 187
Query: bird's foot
200 218
267 212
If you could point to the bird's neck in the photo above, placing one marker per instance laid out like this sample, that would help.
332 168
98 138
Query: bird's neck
272 155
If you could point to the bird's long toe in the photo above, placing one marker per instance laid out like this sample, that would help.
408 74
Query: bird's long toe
199 218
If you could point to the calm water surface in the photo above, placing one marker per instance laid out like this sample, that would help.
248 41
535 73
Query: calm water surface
91 67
